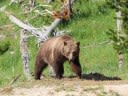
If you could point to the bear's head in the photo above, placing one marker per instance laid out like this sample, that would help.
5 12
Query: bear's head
71 49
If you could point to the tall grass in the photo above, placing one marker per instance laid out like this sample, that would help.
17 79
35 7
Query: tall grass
88 25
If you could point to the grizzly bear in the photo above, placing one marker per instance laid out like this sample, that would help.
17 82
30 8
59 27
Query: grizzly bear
55 52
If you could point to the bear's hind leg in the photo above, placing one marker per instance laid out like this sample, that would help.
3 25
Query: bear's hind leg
39 67
59 70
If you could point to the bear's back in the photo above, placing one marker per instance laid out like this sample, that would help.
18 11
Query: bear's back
52 48
56 41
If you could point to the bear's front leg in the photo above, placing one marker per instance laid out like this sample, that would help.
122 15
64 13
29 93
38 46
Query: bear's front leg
76 67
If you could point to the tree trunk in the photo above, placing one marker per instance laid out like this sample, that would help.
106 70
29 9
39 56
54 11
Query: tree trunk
32 3
24 53
120 59
119 25
49 1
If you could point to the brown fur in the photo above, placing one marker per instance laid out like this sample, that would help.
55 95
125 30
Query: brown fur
55 52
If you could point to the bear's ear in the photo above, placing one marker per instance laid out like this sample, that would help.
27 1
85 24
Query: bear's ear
78 43
65 43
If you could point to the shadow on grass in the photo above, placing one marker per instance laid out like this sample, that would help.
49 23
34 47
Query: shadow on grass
97 77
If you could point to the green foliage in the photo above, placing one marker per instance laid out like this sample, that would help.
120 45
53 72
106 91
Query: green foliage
91 8
120 41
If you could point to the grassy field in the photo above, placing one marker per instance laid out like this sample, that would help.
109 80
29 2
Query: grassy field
89 24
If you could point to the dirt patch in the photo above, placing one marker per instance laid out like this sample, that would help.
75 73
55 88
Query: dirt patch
67 87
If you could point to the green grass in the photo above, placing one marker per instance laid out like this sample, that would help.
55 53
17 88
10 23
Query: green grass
88 25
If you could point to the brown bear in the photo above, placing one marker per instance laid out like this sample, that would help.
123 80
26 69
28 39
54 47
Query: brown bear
55 52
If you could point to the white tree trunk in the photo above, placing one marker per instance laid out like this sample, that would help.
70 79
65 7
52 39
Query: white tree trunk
24 53
120 60
32 3
49 1
119 23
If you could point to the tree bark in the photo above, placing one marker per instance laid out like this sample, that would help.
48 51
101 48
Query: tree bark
119 25
32 3
24 53
120 60
49 1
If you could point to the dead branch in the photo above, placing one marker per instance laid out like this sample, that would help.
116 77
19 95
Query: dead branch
40 34
36 32
27 10
15 79
15 2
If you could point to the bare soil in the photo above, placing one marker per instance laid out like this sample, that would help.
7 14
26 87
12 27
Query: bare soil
69 86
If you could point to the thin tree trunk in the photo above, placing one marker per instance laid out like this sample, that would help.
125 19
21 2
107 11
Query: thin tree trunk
32 3
120 59
49 1
24 53
119 23
69 6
